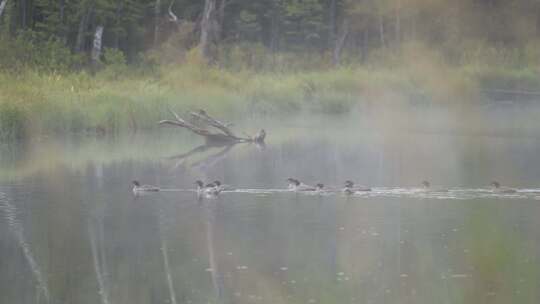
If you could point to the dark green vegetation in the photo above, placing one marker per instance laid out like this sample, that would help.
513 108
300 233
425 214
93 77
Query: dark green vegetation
87 65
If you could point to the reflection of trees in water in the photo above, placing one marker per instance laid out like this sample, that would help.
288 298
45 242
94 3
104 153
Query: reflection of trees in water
165 254
209 212
179 270
96 236
208 161
97 244
10 214
204 163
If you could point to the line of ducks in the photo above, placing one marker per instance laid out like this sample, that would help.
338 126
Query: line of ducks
350 188
215 188
209 190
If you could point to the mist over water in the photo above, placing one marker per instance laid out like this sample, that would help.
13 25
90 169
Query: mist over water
71 230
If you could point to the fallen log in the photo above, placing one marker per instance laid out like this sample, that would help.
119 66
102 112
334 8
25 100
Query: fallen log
224 134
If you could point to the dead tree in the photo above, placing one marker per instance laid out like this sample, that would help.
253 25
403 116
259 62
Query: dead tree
224 135
206 28
157 14
96 49
340 42
2 6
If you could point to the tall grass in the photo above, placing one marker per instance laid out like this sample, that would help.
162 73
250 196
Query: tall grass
121 98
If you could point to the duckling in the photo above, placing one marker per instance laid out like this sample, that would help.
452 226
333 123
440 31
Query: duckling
137 188
319 188
200 187
292 183
212 190
222 187
496 187
426 186
350 189
296 185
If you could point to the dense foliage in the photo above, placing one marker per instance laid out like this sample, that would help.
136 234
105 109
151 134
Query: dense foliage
242 57
57 34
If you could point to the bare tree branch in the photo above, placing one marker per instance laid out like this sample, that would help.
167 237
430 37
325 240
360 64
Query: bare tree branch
201 115
225 136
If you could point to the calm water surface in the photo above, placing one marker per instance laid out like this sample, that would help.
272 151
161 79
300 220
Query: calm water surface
71 230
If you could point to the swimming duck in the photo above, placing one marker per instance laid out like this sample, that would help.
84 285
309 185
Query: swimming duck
350 189
222 187
426 186
137 187
496 187
296 185
200 187
212 190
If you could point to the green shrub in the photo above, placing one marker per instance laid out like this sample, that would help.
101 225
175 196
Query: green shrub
30 50
12 122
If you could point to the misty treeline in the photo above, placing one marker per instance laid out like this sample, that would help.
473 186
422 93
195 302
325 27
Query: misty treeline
75 33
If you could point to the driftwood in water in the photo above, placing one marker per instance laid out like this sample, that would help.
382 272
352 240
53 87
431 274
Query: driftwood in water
225 134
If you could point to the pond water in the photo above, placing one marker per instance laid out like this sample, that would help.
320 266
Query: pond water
71 230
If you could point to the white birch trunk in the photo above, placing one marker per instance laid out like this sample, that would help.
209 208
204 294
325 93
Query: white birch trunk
2 6
96 49
206 28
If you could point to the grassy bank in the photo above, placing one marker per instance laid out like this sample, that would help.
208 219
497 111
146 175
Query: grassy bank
125 99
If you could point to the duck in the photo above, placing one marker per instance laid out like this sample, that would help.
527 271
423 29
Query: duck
296 185
426 186
137 187
350 189
200 187
496 187
319 188
212 190
222 187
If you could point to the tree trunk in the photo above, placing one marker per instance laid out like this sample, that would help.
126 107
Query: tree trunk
61 17
117 17
340 42
538 20
398 22
220 19
2 7
274 30
62 10
381 29
332 24
23 12
157 14
96 49
412 35
81 32
206 28
365 44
